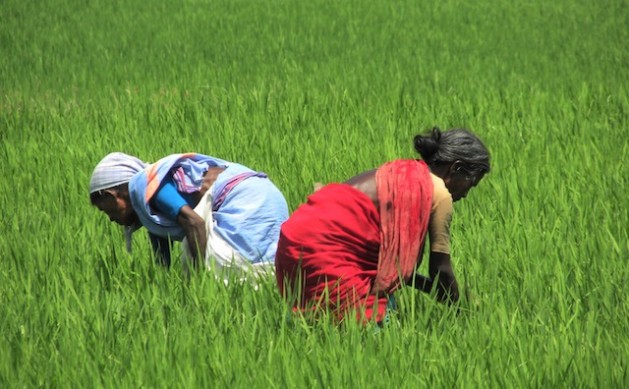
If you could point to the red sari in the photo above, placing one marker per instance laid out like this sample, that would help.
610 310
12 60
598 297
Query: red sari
337 251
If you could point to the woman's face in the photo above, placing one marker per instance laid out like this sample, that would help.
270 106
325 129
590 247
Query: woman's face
118 208
459 182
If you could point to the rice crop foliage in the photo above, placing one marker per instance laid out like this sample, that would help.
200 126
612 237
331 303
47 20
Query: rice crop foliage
316 92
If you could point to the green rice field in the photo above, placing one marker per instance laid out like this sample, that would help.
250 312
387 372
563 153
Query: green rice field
317 91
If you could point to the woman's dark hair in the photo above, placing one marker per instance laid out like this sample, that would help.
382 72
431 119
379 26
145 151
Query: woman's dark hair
457 144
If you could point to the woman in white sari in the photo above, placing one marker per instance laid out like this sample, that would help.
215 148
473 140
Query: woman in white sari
227 215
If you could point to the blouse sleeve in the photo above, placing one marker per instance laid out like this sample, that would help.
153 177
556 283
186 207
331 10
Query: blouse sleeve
168 201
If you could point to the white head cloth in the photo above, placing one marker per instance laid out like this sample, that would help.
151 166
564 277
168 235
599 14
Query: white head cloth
113 170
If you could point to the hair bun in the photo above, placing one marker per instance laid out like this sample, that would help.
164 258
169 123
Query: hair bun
428 145
436 134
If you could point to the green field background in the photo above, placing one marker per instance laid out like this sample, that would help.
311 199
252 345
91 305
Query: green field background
316 91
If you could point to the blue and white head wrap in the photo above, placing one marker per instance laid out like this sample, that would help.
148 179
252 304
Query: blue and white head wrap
113 170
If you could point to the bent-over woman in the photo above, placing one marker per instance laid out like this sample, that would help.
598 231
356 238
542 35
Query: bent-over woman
227 215
352 244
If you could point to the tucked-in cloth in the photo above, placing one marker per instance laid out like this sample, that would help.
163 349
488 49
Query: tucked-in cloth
249 214
248 217
338 252
113 170
221 258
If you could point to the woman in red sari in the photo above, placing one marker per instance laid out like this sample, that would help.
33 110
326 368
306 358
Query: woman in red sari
352 244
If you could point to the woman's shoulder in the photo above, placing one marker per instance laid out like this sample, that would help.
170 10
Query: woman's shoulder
440 194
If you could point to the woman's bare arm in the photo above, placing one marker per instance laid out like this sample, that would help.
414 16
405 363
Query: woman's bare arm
194 227
420 282
441 272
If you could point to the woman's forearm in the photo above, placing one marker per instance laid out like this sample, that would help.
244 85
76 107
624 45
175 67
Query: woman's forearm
447 288
421 282
197 240
196 234
440 270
